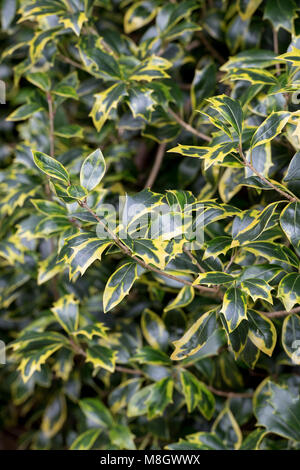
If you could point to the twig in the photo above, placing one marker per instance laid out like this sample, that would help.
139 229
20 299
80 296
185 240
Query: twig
205 290
126 370
51 123
280 313
276 49
157 164
222 393
193 259
187 126
269 183
211 49
71 62
230 261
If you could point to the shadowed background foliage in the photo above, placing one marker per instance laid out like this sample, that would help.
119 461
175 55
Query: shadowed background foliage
119 342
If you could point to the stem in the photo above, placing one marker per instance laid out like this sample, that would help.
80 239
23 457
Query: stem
230 261
280 313
187 126
205 290
193 259
129 371
276 49
51 123
211 49
157 164
71 62
252 168
222 393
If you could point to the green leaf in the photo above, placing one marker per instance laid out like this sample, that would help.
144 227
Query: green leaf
270 128
40 79
160 397
153 356
290 223
197 395
289 290
120 283
292 56
217 246
121 437
106 102
77 192
227 429
100 356
50 166
262 332
273 252
252 75
81 250
292 177
247 8
195 337
291 337
234 307
92 170
96 413
54 416
66 312
184 297
257 289
24 112
154 330
138 15
86 440
277 409
214 278
151 68
230 110
281 13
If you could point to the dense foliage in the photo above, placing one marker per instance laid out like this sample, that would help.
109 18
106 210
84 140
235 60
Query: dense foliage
125 330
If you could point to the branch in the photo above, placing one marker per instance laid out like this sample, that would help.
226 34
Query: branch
193 259
187 126
276 49
51 123
222 393
269 183
204 290
211 49
280 313
157 164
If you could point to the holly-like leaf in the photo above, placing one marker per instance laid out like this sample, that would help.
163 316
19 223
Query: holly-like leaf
154 330
262 332
291 337
277 409
257 289
197 395
281 13
96 413
289 290
50 166
270 128
92 170
86 440
101 356
195 337
66 312
234 307
120 283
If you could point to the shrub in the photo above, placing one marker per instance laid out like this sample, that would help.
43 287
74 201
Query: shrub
150 224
